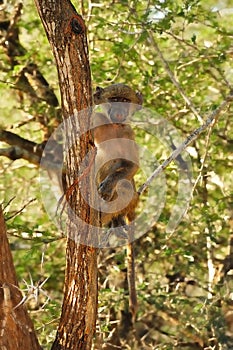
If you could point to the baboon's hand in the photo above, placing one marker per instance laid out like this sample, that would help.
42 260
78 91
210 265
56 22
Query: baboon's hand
106 189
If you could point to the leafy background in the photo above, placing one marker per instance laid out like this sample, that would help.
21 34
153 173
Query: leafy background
184 288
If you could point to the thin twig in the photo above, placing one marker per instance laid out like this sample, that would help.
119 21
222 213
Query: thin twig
21 209
211 119
173 79
200 175
202 56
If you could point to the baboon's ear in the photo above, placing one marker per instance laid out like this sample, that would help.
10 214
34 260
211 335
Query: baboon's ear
97 94
140 97
98 90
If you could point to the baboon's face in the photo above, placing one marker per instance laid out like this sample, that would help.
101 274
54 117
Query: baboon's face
118 109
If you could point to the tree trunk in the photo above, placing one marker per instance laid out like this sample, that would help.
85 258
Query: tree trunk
66 33
16 328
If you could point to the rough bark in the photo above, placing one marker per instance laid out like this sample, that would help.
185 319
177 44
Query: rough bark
66 33
16 328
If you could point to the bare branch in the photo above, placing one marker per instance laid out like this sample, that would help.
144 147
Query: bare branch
173 79
15 152
15 140
16 213
21 148
211 119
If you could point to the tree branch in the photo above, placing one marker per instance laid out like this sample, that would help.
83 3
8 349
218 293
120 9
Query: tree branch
16 328
211 119
21 148
15 152
173 79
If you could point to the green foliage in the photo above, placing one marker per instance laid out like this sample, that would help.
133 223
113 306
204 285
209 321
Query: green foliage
195 38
